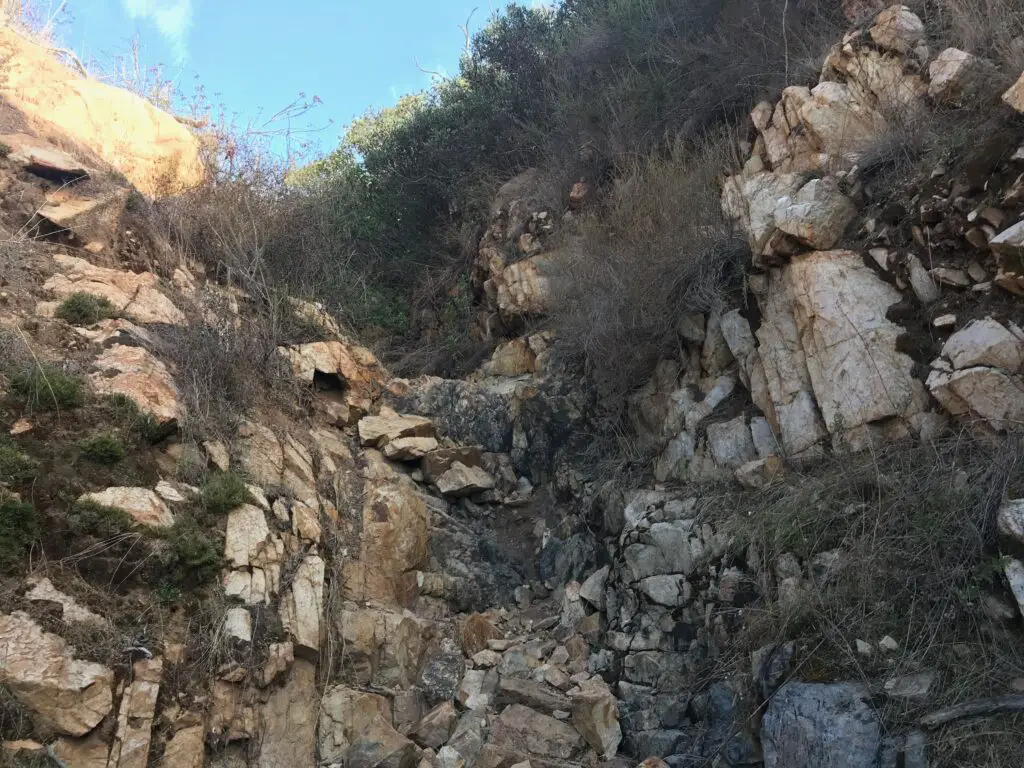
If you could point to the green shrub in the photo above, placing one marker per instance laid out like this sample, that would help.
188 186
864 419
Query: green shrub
18 529
5 149
223 492
47 389
91 519
193 558
103 448
84 309
134 421
15 466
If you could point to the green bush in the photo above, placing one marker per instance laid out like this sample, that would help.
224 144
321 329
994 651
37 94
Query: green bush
223 492
47 389
134 421
15 466
194 557
103 449
84 309
91 519
18 529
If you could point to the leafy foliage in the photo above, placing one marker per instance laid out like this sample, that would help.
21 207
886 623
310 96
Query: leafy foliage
223 492
103 449
84 309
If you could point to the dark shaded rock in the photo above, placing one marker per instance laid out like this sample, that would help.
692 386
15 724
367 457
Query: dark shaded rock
827 726
532 694
772 666
569 560
441 675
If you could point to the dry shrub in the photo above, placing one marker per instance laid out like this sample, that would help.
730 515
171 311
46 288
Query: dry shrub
659 247
989 28
915 526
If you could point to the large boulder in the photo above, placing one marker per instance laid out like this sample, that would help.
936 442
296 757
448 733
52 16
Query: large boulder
289 721
135 720
158 154
827 726
524 729
139 376
817 215
65 694
355 730
336 366
144 506
302 606
595 715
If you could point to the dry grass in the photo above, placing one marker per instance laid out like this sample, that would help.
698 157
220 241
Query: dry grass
658 247
915 529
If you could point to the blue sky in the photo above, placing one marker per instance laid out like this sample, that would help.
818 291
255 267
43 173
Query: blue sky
255 56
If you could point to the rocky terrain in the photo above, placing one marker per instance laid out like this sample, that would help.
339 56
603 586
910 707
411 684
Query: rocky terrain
372 571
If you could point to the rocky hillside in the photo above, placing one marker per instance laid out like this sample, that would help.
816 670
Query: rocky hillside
230 538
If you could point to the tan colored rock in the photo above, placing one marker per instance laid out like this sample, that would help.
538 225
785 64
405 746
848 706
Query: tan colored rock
955 74
88 752
394 538
521 728
409 448
817 215
158 154
355 728
513 358
595 715
986 342
360 373
837 123
845 343
436 463
474 633
524 288
435 727
981 393
143 505
136 374
897 29
288 721
246 534
43 159
135 720
43 590
260 454
381 648
1014 96
461 480
302 606
238 624
379 430
752 201
67 695
760 473
135 295
185 749
232 715
280 658
306 522
93 219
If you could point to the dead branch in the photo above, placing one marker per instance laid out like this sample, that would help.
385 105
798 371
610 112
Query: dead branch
996 705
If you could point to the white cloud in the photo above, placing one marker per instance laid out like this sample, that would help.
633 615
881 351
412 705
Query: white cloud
173 19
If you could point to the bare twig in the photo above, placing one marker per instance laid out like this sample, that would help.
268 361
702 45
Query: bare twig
997 705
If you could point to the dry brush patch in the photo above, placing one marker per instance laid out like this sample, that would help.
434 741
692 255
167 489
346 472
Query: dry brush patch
918 561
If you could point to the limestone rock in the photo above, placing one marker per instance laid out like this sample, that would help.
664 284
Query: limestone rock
837 123
395 535
381 648
731 443
595 715
135 295
185 749
43 159
42 589
461 480
238 625
68 695
89 752
1014 96
474 633
436 463
983 393
1014 572
352 370
355 728
897 29
289 721
280 657
246 535
302 606
817 215
985 342
752 201
142 504
409 448
379 430
158 154
135 721
477 689
435 728
820 725
759 473
521 728
529 693
513 358
956 74
136 374
525 287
